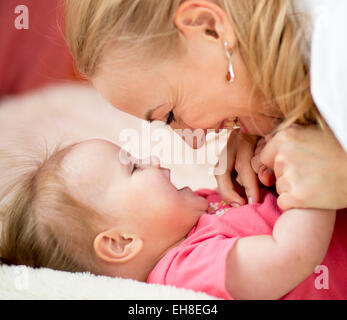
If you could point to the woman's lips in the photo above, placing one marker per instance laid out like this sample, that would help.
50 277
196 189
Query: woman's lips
221 127
229 124
243 127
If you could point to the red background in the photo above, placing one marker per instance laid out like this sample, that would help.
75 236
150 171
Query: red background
32 58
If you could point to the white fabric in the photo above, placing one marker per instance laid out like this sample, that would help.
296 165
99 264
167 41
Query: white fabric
329 67
329 61
23 283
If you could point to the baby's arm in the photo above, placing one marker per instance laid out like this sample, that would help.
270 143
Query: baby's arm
269 266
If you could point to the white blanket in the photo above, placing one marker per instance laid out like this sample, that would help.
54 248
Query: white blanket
27 283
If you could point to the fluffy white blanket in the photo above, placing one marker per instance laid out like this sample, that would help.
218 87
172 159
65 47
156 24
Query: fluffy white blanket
27 283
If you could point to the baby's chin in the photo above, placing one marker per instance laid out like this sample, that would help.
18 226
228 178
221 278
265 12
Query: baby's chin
194 201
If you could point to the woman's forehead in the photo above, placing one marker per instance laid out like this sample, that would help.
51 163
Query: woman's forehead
138 91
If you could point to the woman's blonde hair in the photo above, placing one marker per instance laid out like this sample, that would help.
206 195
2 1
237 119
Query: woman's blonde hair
43 226
270 39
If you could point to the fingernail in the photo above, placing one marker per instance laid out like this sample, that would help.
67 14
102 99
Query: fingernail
262 170
250 200
269 171
271 175
235 205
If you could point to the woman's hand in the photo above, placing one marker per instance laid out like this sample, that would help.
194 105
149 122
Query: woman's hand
310 168
266 175
239 172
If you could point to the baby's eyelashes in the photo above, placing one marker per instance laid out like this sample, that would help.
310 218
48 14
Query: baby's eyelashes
138 164
134 168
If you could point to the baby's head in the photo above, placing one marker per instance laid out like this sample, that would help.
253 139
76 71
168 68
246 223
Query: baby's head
92 207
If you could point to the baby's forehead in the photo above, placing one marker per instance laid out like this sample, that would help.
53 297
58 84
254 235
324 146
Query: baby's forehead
88 156
90 149
89 169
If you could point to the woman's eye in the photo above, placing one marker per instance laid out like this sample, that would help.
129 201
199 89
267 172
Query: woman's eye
170 118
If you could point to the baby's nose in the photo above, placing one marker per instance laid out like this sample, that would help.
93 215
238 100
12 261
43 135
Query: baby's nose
155 161
152 161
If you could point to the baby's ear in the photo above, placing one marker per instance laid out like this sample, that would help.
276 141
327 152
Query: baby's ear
117 247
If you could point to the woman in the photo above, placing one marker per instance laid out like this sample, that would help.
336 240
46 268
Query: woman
197 63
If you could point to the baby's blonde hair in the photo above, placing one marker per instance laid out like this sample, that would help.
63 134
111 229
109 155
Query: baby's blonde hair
270 39
43 225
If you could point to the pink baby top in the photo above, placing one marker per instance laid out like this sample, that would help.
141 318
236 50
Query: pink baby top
199 262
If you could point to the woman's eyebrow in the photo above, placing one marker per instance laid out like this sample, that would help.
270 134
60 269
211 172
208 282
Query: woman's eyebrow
149 113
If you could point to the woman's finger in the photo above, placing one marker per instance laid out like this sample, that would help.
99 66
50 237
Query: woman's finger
248 179
227 191
238 180
256 163
282 185
225 180
268 154
285 201
267 176
243 166
260 146
280 164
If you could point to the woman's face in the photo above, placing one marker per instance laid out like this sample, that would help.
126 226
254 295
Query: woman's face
189 90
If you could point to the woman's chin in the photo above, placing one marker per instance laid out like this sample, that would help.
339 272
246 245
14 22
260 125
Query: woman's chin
258 125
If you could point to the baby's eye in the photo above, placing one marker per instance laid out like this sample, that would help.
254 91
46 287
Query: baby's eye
134 168
170 118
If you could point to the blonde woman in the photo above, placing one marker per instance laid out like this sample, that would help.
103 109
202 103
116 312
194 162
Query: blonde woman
197 64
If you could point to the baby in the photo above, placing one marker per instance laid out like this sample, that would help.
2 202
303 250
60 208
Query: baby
86 209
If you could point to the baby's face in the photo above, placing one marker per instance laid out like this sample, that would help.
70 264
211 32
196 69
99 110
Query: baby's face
139 199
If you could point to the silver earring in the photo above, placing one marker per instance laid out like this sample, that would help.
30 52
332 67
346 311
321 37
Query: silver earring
230 75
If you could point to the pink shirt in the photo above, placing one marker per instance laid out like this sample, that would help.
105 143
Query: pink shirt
199 262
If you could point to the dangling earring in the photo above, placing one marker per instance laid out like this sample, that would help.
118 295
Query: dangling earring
230 75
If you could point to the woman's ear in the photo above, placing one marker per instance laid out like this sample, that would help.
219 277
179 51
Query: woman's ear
201 17
117 247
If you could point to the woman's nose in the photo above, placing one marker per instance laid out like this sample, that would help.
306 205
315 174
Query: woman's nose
195 138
